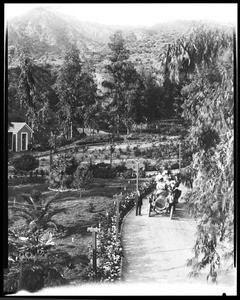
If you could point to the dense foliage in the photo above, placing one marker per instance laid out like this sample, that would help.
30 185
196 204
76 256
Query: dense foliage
33 263
125 88
25 163
109 249
193 80
36 211
204 60
76 90
62 171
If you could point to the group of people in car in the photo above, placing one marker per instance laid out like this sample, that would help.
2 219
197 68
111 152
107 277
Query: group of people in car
167 187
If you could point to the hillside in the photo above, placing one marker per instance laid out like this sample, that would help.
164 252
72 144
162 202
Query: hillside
47 34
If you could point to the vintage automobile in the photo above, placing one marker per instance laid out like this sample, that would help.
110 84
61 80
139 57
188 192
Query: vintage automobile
164 201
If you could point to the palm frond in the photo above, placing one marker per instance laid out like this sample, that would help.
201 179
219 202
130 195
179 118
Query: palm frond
28 199
49 201
51 223
22 210
19 203
24 216
56 211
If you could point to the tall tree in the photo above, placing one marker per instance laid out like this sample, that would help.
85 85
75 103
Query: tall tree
153 107
124 84
205 60
37 97
76 89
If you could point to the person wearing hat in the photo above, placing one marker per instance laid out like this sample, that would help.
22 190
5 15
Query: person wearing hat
158 177
161 184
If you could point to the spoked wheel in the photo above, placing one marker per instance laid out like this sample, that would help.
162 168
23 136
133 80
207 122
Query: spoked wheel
149 210
171 212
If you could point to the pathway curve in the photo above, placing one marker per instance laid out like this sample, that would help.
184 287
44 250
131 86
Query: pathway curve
156 248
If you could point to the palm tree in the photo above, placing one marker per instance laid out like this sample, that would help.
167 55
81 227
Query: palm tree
37 212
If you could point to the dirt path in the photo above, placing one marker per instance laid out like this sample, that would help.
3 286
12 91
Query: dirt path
156 249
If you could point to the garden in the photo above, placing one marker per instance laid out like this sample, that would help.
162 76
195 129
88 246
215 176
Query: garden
55 196
52 206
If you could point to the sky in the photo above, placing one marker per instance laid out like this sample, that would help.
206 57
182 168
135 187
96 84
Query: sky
146 14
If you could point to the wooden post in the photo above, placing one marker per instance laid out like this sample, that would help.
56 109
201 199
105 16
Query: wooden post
94 235
118 199
180 156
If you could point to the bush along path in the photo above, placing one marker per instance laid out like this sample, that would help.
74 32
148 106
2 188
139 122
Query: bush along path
109 246
156 250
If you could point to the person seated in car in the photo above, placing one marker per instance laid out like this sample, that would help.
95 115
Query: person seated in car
161 184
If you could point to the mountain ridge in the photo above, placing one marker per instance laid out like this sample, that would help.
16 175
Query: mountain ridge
47 34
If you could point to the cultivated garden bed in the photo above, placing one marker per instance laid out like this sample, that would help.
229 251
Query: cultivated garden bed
94 206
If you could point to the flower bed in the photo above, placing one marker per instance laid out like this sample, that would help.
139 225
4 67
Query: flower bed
109 248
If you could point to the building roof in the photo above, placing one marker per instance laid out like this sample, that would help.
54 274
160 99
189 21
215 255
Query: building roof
18 126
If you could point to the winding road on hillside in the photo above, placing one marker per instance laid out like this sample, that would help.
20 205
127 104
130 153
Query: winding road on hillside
156 249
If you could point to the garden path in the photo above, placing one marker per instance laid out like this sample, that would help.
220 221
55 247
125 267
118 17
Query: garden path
156 249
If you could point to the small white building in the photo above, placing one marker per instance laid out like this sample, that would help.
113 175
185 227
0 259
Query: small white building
19 136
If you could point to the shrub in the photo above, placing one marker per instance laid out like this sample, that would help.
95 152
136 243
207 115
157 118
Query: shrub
36 211
137 152
36 147
42 173
148 166
103 170
71 165
68 180
25 162
175 166
62 141
32 258
149 154
83 177
208 138
128 174
62 171
109 248
121 168
91 207
128 149
142 173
